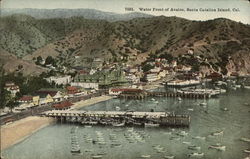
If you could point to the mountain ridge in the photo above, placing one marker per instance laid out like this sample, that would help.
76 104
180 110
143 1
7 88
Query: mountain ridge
129 41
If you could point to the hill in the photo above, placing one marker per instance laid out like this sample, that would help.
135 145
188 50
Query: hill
77 41
68 13
13 64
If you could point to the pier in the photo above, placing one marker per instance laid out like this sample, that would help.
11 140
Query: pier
166 94
120 118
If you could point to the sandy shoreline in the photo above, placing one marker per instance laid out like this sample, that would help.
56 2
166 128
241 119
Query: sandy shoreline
19 130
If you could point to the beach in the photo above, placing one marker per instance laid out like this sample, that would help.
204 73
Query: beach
91 101
17 131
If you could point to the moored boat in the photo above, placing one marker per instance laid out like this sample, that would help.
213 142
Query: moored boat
245 139
151 125
218 147
145 156
169 157
196 154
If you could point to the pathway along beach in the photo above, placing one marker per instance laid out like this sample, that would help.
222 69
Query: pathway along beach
17 131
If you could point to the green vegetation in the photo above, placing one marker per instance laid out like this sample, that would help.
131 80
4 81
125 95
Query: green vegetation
28 85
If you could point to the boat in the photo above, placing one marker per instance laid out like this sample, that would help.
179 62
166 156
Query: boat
217 133
203 104
118 124
190 109
193 147
199 137
186 142
179 99
87 126
196 154
117 108
245 139
96 156
151 125
218 147
169 157
247 150
75 149
145 156
225 109
183 133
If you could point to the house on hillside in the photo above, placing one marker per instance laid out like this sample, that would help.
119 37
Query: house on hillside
12 88
59 79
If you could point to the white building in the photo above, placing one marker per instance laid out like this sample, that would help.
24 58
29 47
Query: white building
150 77
12 88
85 85
132 78
59 79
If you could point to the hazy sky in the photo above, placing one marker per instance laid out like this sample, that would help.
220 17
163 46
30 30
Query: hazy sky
118 6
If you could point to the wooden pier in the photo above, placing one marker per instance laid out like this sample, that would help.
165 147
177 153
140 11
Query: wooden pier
165 94
120 118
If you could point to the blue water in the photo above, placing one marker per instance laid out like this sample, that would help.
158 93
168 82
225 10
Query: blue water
54 141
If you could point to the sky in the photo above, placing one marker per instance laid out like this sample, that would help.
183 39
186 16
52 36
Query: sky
239 9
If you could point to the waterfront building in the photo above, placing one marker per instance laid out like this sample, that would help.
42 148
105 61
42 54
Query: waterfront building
85 85
72 90
151 76
62 105
105 78
59 79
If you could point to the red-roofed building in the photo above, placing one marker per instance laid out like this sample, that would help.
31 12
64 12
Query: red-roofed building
72 90
62 105
25 99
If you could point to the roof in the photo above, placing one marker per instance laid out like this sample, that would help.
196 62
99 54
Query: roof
46 92
64 104
71 88
26 98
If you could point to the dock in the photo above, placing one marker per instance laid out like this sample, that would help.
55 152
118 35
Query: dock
166 94
123 118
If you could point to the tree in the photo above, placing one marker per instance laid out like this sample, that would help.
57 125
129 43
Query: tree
147 67
39 59
50 60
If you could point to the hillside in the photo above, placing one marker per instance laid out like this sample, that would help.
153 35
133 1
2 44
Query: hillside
78 41
68 13
13 64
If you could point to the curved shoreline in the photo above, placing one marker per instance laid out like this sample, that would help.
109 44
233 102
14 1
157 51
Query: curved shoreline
18 131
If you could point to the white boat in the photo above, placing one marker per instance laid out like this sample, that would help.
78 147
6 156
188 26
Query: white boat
225 109
218 147
169 157
186 142
179 99
117 108
247 150
151 125
190 109
193 147
196 154
145 156
247 87
217 133
183 133
199 137
118 124
96 156
245 139
203 104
